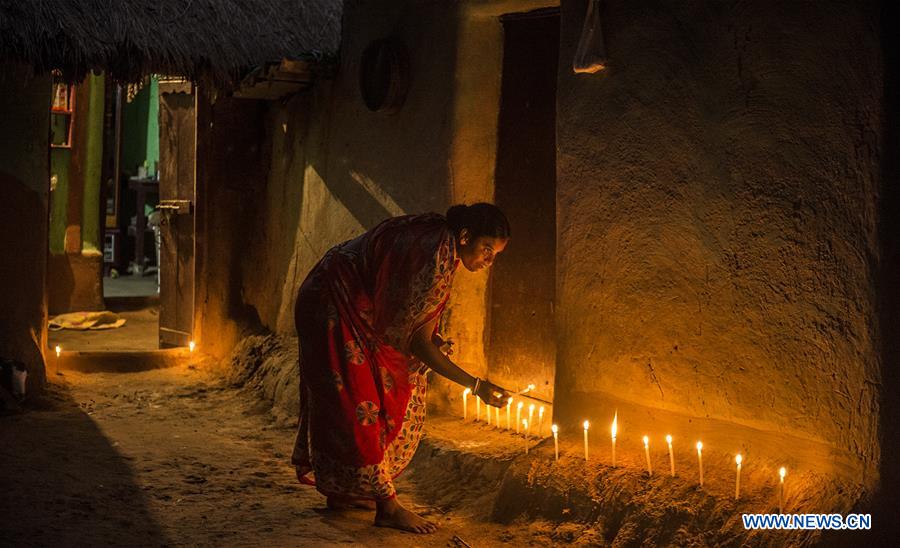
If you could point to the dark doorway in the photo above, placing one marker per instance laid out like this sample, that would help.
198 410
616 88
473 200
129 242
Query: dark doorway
522 346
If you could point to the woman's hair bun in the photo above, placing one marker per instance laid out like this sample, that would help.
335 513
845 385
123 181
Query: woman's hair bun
481 219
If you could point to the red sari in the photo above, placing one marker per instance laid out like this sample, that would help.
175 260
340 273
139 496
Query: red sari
362 394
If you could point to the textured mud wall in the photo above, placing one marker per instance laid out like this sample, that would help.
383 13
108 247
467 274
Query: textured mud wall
24 188
717 216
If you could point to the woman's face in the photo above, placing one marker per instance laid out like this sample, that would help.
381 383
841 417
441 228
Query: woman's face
479 253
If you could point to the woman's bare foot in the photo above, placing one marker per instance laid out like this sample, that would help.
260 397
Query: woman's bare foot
335 503
390 513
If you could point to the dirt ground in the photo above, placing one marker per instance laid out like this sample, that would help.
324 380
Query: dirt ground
175 457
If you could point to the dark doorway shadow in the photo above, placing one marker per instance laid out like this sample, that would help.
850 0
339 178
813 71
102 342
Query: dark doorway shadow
62 483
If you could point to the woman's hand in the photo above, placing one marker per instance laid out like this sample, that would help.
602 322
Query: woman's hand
492 394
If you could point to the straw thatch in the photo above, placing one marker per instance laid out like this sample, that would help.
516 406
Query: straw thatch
215 41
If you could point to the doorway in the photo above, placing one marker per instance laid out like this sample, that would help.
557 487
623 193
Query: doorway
522 337
126 160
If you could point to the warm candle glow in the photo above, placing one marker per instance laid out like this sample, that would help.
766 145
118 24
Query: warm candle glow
700 460
531 414
614 430
508 407
541 421
586 426
671 456
58 350
647 454
781 472
555 430
519 415
738 459
466 393
525 427
192 345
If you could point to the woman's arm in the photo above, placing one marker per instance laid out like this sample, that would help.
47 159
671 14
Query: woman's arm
424 349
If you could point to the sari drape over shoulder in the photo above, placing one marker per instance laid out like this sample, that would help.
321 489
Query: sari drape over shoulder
362 394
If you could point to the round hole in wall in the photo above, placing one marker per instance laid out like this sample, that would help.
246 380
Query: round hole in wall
384 75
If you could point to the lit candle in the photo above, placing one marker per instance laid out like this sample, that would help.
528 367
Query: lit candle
58 350
531 414
782 472
700 460
738 459
586 426
192 345
541 422
487 409
613 430
508 407
519 415
525 427
671 457
477 408
555 431
497 416
647 453
466 393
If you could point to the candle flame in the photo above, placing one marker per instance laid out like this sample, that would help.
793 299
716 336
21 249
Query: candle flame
669 439
554 429
525 423
520 405
699 446
738 459
531 408
58 350
192 345
646 441
586 425
466 392
782 472
615 427
509 402
541 411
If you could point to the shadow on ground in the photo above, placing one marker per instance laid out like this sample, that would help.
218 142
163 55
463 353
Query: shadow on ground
63 483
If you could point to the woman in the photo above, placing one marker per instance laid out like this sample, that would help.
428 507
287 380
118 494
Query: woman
367 319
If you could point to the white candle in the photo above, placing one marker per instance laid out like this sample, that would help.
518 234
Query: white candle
541 422
614 430
586 426
671 457
782 472
519 415
487 409
647 453
738 459
477 408
525 427
555 431
531 414
466 393
700 460
497 416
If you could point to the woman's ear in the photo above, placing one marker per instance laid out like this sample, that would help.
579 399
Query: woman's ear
464 236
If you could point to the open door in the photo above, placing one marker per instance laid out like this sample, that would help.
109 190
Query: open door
177 171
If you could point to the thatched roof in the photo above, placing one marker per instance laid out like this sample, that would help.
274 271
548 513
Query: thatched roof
205 40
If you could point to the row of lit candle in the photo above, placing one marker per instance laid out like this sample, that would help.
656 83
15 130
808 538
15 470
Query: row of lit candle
509 403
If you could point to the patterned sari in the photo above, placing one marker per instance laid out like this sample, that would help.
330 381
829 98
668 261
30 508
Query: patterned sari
362 394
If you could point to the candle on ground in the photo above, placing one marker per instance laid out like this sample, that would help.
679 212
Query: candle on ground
671 457
782 472
508 407
466 393
541 422
700 460
738 459
519 415
531 414
525 427
586 426
614 430
497 416
555 431
477 408
647 453
487 409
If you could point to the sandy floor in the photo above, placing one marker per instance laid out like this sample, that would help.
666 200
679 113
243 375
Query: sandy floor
172 457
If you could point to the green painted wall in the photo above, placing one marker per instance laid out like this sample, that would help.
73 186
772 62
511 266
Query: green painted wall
140 130
90 215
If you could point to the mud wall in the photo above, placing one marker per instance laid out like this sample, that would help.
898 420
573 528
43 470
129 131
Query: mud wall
717 212
24 184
